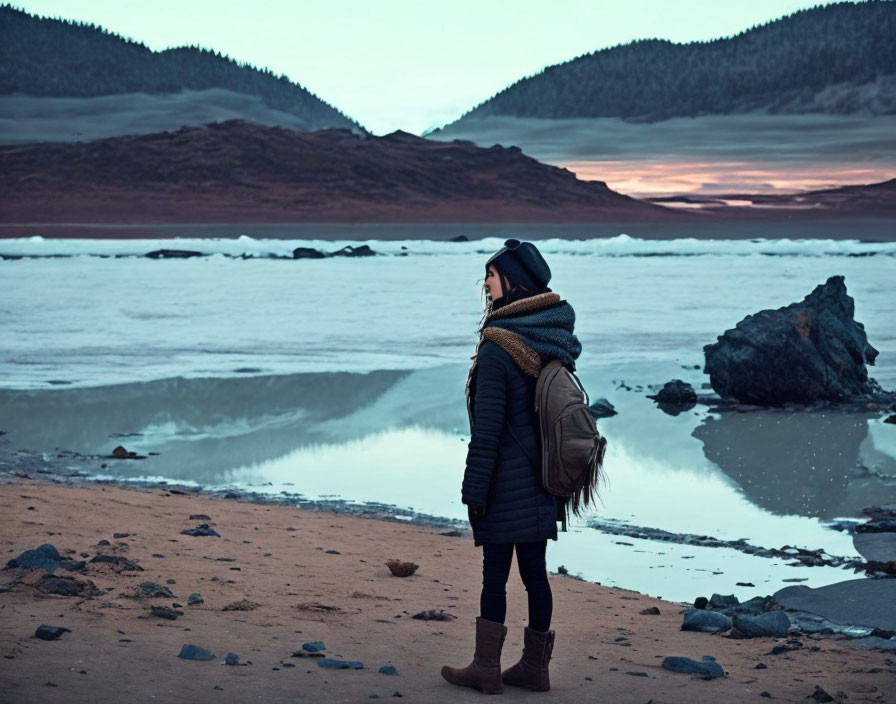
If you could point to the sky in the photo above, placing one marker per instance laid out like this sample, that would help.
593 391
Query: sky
411 64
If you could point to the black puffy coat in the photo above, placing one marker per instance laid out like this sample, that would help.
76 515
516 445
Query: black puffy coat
499 474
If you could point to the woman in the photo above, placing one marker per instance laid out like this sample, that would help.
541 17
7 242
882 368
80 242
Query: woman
525 325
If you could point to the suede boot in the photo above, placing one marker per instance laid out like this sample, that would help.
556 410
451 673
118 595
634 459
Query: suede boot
532 669
484 673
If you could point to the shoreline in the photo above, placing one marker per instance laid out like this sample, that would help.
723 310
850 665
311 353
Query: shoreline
81 472
331 586
867 229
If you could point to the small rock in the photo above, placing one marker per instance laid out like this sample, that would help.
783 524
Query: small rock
165 612
202 530
650 611
452 533
66 586
388 670
173 254
155 591
705 621
707 669
241 605
232 659
199 517
121 535
350 251
701 602
333 552
601 408
765 694
194 652
761 666
820 695
792 644
637 674
195 599
340 664
307 253
434 615
121 564
50 632
745 584
718 601
401 569
314 646
675 396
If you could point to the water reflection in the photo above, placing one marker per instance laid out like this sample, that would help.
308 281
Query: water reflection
201 428
822 464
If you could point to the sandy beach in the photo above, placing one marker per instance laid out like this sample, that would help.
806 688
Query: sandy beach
282 560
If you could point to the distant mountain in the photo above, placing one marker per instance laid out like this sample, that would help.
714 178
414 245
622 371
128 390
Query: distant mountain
49 58
838 58
869 200
242 172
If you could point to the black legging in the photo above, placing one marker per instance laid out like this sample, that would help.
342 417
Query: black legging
496 558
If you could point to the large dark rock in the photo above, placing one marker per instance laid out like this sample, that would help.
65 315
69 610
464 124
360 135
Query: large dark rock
802 353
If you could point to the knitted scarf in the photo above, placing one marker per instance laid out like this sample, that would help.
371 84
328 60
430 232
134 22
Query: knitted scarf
533 328
529 329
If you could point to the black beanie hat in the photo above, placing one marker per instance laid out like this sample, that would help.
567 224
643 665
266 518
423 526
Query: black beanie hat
522 263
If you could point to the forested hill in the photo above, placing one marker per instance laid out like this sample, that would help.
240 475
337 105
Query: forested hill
58 58
837 58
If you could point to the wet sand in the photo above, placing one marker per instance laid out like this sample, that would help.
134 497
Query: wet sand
276 556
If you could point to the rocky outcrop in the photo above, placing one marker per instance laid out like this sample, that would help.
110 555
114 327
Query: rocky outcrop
802 353
237 171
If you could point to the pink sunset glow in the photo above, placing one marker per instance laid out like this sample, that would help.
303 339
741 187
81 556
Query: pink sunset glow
644 179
